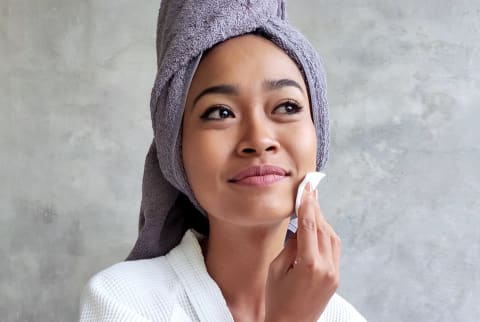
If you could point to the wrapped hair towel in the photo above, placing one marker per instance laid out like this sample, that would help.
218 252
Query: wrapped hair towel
186 29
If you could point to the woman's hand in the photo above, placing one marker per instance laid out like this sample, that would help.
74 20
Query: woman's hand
305 275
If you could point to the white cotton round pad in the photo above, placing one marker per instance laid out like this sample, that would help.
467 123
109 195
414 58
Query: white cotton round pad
314 179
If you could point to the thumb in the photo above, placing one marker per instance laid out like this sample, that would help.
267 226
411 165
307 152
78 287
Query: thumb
283 262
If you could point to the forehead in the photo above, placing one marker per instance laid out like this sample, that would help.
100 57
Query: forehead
245 60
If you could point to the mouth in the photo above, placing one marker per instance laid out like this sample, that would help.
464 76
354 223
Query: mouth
263 175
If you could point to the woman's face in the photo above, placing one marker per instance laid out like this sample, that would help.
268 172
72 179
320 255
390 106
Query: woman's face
248 135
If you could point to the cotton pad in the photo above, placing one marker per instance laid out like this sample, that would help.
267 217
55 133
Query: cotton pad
314 179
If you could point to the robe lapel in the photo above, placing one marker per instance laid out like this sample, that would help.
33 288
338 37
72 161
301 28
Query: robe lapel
204 294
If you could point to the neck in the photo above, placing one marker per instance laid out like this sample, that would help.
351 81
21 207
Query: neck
238 259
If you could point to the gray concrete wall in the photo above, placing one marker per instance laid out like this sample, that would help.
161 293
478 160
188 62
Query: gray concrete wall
403 181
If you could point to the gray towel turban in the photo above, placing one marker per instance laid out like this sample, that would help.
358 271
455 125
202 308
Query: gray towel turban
185 30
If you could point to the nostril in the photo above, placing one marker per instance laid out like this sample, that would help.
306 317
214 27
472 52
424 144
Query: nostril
270 148
248 150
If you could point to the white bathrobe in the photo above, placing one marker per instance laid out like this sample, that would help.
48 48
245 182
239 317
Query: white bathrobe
174 287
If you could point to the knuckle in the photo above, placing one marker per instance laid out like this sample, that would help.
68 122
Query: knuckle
307 224
330 275
323 230
330 228
336 239
311 266
334 283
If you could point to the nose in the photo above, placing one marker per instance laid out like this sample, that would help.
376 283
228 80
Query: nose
257 137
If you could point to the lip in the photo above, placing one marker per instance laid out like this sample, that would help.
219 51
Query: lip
262 175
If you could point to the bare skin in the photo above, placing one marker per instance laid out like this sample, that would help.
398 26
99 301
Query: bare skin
248 107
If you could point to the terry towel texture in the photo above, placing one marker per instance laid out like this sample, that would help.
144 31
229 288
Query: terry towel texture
185 30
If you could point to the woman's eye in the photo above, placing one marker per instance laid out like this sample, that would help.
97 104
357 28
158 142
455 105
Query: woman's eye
288 107
217 113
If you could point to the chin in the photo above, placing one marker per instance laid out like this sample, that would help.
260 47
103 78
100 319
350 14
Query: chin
251 214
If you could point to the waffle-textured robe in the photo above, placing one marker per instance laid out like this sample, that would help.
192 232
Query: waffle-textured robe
175 287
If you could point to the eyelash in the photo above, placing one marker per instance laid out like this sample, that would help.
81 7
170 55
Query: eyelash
206 116
296 107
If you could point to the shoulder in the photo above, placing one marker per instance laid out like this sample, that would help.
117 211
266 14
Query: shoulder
146 277
134 290
147 289
339 310
135 275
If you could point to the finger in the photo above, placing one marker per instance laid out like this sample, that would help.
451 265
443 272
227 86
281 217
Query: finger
336 251
307 249
325 243
324 233
285 259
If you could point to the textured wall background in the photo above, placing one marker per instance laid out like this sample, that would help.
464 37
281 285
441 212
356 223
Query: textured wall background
403 182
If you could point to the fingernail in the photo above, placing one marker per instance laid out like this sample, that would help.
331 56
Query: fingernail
316 193
308 187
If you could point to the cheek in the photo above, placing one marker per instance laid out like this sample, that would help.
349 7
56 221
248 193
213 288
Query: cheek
312 147
304 146
203 156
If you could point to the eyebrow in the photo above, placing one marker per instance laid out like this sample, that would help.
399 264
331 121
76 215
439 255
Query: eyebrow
268 85
274 84
218 89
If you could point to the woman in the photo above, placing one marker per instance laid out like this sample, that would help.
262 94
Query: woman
239 117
